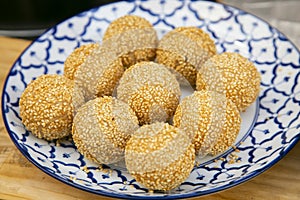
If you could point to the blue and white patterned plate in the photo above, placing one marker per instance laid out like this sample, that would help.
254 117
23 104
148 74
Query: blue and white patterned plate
270 126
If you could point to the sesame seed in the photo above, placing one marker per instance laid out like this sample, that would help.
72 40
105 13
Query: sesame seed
72 178
150 191
85 169
197 164
57 143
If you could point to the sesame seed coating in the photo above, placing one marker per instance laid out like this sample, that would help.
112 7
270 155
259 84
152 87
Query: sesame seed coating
76 58
103 68
159 156
78 98
240 78
171 176
194 34
102 128
185 49
153 141
107 83
146 73
230 129
202 116
46 107
134 37
151 90
125 23
153 103
99 74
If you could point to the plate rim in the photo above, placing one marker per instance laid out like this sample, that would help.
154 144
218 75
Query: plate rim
244 179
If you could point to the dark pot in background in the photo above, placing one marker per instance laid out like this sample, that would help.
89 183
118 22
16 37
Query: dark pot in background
30 18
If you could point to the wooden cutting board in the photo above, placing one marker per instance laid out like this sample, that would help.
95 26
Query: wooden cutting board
19 179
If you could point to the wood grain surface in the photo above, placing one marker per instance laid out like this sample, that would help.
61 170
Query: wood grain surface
19 179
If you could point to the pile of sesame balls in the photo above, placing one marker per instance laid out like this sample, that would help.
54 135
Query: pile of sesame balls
121 100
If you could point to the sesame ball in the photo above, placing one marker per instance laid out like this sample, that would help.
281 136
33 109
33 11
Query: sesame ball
202 116
159 156
99 74
46 107
101 129
133 38
76 58
230 129
185 49
151 90
239 76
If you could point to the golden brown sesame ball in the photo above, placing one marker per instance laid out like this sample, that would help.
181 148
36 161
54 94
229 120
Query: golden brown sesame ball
125 23
133 38
159 156
185 49
99 74
151 90
230 129
239 76
101 129
202 116
46 107
76 58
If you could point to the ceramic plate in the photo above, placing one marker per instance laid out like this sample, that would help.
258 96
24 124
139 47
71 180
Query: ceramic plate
270 126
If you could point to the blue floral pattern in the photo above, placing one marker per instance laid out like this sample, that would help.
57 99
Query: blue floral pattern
271 130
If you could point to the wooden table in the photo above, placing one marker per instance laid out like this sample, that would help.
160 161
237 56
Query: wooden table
19 179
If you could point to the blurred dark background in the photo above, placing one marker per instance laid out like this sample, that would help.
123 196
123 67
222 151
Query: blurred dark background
29 18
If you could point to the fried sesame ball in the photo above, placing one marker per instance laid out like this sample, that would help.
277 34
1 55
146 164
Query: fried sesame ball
151 90
239 76
76 58
99 74
133 38
101 129
185 49
46 107
159 156
212 121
